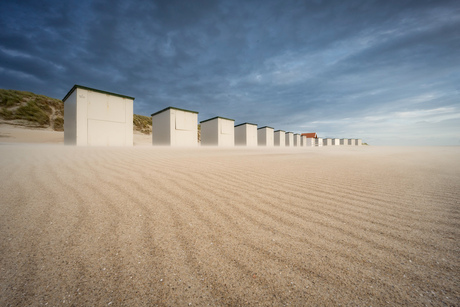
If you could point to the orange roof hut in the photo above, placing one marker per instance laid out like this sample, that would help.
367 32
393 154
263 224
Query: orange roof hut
311 135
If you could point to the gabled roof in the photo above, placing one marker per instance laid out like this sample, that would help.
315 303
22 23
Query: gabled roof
94 90
217 117
311 135
173 108
245 124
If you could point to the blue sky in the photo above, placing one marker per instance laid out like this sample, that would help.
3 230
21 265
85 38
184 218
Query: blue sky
384 71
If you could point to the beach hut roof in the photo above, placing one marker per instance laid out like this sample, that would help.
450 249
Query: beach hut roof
94 90
311 135
173 108
245 124
207 120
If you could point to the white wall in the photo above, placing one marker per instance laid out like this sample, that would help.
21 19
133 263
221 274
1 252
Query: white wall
110 120
319 142
311 142
327 142
246 135
336 142
97 118
185 132
218 132
289 139
210 132
82 117
175 127
161 128
70 119
303 141
227 132
279 138
297 140
266 136
240 135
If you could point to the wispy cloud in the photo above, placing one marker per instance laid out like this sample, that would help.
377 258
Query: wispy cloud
342 68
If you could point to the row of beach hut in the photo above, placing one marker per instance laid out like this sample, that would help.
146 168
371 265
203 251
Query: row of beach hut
178 127
95 117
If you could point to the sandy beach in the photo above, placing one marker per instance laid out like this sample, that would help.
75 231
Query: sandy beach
146 226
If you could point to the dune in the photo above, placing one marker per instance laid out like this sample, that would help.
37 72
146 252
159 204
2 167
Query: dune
206 226
20 134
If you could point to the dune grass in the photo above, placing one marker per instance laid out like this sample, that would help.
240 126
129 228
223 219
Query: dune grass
36 110
142 123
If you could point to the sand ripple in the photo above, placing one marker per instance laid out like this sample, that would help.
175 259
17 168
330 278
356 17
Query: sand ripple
157 226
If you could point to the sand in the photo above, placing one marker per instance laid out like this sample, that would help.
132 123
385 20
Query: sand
147 226
20 134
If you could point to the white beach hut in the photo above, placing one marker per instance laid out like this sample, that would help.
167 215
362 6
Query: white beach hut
266 136
344 142
318 142
280 136
289 141
303 141
336 142
297 140
218 131
246 134
351 142
358 142
311 136
327 142
175 127
97 118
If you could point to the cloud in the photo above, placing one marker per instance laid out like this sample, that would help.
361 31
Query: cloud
323 65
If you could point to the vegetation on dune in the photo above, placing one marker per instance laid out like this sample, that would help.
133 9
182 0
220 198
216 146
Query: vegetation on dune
142 123
59 124
34 110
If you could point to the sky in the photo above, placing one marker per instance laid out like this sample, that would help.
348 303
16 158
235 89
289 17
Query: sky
387 72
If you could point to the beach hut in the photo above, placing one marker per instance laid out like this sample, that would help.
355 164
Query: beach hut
351 142
327 142
246 134
358 142
318 142
297 140
289 141
175 127
266 136
303 141
310 135
344 142
97 118
280 136
336 142
218 131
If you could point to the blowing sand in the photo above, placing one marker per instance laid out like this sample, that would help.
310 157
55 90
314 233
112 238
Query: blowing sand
354 226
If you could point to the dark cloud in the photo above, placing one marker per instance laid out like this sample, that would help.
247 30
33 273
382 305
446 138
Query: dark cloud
296 65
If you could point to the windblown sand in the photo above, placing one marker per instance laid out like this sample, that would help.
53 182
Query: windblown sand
150 226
